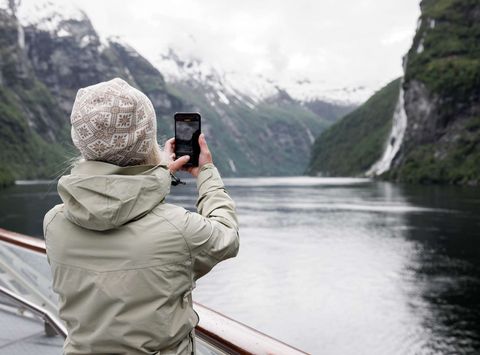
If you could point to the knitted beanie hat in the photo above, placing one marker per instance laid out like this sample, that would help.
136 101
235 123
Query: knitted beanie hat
113 122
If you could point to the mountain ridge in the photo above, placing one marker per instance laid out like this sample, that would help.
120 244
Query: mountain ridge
42 67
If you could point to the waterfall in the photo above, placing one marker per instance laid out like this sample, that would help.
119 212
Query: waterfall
399 124
394 141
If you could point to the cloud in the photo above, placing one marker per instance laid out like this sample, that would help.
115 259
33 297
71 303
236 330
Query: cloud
343 43
396 36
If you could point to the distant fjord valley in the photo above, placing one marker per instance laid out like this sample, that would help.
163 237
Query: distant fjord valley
421 128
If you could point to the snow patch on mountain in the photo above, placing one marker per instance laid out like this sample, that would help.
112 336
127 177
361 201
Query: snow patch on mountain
60 19
224 86
48 15
177 68
311 91
121 41
8 6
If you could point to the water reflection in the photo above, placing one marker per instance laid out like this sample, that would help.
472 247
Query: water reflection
449 268
336 266
331 262
23 206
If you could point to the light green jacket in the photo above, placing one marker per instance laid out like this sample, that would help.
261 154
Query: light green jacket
124 262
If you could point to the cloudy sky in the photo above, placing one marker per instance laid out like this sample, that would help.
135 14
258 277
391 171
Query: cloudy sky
338 43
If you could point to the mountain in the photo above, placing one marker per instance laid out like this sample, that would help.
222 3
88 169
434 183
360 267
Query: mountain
353 144
260 130
49 50
178 64
66 53
442 97
435 123
46 54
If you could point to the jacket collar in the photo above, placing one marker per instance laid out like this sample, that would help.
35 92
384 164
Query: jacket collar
92 167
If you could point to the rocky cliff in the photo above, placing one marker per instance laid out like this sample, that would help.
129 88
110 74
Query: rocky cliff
31 123
69 54
43 62
442 97
434 124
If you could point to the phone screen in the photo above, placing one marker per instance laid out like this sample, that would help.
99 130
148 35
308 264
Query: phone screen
187 131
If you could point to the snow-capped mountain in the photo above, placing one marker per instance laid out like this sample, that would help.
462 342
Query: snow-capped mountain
250 108
56 17
254 126
251 87
224 86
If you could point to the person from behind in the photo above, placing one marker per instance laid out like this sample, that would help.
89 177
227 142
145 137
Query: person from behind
124 262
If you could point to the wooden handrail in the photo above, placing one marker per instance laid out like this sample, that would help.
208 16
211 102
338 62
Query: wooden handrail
217 329
23 241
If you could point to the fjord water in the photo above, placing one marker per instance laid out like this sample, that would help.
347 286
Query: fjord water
335 266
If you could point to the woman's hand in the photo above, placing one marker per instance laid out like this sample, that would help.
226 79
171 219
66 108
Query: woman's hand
174 165
204 158
169 148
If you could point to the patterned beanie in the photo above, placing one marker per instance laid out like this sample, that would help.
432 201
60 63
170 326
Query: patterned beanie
113 122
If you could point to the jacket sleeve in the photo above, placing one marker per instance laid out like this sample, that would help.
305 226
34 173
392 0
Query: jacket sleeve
47 219
212 233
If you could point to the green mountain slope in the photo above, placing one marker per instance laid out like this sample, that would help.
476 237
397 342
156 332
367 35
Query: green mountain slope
442 97
24 153
353 144
31 135
441 86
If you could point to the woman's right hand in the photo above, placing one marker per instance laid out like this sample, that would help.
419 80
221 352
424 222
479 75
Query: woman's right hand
204 158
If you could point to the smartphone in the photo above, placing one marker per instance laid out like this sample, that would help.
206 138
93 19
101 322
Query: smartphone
187 131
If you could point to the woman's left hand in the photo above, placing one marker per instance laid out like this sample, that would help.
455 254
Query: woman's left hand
169 148
174 165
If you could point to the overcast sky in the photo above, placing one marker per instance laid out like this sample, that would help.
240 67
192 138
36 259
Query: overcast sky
341 43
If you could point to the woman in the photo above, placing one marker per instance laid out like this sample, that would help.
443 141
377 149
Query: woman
124 262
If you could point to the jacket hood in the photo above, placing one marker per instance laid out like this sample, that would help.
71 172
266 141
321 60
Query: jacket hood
102 196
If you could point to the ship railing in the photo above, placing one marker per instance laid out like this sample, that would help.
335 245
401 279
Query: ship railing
52 324
217 330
